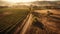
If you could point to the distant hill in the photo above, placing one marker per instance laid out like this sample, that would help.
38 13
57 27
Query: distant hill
40 4
47 3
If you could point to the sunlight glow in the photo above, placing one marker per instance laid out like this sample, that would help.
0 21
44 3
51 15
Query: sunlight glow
17 1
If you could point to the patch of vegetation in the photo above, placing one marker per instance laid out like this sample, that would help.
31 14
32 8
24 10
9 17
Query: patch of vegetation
11 17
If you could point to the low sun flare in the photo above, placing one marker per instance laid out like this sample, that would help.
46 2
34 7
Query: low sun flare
16 1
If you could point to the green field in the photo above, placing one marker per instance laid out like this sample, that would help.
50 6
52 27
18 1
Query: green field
10 17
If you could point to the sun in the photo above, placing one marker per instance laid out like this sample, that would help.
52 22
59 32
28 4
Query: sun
16 1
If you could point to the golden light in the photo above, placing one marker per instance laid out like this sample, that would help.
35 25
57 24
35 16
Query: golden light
17 1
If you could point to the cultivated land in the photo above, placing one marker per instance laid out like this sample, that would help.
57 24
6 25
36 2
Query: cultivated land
45 23
38 20
10 17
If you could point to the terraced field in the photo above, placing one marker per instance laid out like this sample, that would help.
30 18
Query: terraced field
10 17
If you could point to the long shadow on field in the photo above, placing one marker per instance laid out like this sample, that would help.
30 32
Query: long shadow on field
38 24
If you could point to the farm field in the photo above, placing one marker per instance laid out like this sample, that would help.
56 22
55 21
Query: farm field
44 23
10 17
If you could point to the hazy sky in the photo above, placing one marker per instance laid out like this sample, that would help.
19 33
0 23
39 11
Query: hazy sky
43 0
2 2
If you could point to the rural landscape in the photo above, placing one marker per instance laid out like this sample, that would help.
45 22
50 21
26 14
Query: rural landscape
38 17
